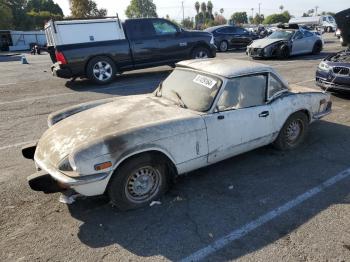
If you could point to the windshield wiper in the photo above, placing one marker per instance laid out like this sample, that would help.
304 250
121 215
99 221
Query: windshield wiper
181 102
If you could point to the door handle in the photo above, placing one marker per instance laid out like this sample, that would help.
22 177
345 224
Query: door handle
264 114
220 117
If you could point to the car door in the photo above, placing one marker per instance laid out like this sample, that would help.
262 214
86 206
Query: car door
310 41
299 43
172 42
242 120
143 42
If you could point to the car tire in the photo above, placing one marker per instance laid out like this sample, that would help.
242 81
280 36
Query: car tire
293 132
283 52
329 29
101 70
223 46
317 48
200 53
138 182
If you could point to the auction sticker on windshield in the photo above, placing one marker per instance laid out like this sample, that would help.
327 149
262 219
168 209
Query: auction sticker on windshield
205 81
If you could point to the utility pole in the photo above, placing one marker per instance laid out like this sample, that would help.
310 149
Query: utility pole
259 8
252 12
183 11
316 7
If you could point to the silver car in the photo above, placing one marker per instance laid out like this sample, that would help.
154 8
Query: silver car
286 42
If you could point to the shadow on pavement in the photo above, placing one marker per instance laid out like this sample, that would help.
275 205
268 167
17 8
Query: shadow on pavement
201 207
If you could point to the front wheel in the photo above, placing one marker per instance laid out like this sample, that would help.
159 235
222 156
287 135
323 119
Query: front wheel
200 53
101 70
293 132
283 52
138 182
223 46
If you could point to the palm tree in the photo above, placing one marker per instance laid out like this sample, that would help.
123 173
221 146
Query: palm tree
210 7
203 8
281 8
221 11
197 6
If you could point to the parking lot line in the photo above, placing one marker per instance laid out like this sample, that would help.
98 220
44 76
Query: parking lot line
305 81
247 228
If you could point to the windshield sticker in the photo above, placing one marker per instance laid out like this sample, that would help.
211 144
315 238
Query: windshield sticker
205 81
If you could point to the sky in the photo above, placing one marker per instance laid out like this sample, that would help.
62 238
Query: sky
174 10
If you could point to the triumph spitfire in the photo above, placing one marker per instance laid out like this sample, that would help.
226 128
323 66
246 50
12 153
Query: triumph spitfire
129 148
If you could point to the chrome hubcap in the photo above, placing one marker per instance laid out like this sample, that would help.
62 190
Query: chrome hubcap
293 131
223 46
201 54
102 71
143 184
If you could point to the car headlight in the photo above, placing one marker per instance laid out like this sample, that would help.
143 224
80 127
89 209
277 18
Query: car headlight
324 67
65 165
72 163
212 42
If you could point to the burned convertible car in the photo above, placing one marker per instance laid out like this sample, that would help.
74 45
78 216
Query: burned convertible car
205 111
286 42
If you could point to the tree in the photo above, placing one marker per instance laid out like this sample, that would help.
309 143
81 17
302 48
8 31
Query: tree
5 16
188 23
221 11
258 19
281 7
203 8
197 6
44 5
220 20
86 8
278 18
18 10
239 18
210 7
141 8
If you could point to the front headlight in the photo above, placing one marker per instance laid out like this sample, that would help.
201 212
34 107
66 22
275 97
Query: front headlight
72 163
324 67
65 165
212 42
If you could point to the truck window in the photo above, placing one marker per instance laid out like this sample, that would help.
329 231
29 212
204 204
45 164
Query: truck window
164 28
140 29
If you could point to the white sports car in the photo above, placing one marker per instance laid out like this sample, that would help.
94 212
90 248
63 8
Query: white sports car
286 42
204 111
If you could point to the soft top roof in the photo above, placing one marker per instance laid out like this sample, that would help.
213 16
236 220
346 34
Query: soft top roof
226 67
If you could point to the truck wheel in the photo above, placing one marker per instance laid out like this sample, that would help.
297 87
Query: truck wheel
293 132
223 46
101 70
317 48
138 182
200 52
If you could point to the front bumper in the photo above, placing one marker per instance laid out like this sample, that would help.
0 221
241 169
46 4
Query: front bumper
330 81
61 72
256 52
327 111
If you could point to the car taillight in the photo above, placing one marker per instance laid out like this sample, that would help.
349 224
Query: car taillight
60 58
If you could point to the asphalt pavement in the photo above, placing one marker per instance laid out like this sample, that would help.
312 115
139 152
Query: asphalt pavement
264 205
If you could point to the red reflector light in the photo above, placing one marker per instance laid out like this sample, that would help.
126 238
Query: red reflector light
60 58
103 165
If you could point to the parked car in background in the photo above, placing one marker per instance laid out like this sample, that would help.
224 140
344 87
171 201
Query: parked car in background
227 36
284 43
101 48
205 111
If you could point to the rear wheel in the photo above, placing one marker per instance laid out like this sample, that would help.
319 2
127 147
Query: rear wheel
101 70
200 53
293 132
223 46
317 48
138 181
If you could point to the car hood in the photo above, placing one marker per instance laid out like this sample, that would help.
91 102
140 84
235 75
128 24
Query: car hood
262 43
155 117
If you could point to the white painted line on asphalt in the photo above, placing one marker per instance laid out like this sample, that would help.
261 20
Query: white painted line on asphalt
70 93
247 228
16 145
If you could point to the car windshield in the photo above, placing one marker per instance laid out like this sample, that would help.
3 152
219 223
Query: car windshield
190 89
281 35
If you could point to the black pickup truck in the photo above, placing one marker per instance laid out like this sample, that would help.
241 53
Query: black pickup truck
146 42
